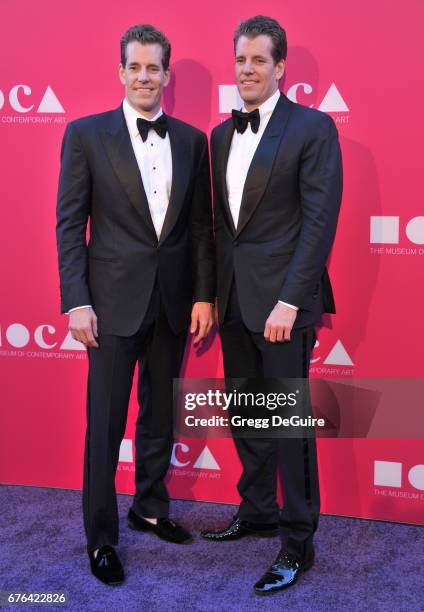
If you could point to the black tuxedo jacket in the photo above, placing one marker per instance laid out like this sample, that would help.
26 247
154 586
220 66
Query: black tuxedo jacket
288 216
100 182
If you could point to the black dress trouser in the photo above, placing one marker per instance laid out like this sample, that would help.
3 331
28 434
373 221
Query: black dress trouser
248 354
159 353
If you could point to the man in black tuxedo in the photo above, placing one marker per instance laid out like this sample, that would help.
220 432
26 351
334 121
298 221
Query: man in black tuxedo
141 179
277 183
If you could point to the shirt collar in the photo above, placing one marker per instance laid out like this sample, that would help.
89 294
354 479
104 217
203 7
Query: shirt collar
131 116
268 106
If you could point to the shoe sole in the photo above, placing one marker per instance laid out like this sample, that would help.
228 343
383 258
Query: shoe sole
253 534
266 593
134 527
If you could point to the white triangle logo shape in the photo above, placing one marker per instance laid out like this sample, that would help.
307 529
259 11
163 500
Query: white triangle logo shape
126 451
50 103
206 461
69 344
333 102
338 356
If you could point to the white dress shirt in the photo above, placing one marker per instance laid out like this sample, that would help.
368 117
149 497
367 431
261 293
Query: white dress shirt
243 147
154 160
242 150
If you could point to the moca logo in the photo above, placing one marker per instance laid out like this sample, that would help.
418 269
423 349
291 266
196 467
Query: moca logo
332 102
18 335
390 473
205 461
337 356
387 230
19 100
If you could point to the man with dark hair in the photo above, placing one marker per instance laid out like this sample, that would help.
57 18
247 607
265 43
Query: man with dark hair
142 180
146 35
277 182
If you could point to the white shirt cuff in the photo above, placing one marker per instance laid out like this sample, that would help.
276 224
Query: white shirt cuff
289 305
78 308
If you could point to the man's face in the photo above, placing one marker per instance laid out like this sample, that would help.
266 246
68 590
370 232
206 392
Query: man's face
144 77
256 74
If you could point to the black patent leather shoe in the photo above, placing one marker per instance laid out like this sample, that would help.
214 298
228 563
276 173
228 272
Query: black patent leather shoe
106 566
283 573
165 528
240 529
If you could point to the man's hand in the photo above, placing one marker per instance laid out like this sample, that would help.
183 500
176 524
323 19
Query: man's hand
83 326
280 323
201 320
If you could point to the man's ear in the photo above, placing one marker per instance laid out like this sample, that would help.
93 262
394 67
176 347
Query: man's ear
280 67
121 71
167 77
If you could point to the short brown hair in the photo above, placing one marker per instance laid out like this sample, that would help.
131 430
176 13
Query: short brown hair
146 34
264 25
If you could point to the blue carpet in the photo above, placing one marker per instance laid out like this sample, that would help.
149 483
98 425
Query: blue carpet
360 565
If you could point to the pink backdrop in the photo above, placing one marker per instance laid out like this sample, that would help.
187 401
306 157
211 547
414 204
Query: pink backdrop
360 62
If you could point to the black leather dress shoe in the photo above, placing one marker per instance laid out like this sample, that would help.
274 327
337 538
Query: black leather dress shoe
165 528
283 573
106 566
240 529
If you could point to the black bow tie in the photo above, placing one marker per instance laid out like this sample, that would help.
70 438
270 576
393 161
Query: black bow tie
241 120
160 126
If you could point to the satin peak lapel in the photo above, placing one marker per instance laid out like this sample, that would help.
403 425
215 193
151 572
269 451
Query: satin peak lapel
224 152
261 166
180 175
117 143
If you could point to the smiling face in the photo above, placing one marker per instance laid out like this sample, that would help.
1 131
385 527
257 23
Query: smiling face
257 75
144 77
